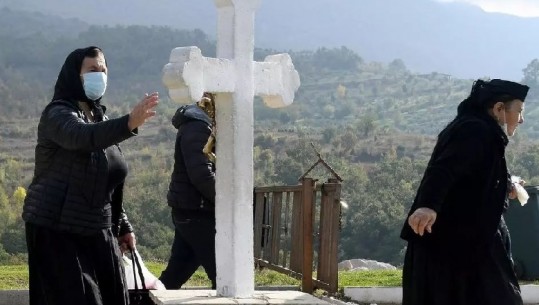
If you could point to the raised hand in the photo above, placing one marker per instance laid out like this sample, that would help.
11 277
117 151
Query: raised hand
143 110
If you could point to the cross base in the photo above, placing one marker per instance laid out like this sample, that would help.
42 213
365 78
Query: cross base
203 297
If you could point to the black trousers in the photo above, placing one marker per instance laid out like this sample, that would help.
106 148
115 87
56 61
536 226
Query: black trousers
70 269
193 246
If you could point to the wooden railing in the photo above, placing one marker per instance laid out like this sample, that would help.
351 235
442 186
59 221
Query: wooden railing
296 231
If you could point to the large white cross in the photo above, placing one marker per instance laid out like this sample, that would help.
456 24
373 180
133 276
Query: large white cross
236 79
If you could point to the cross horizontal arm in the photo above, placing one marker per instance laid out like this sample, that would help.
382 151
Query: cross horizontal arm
189 74
276 80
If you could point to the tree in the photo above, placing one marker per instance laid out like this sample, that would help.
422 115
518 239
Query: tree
531 74
366 125
13 239
336 59
341 91
329 111
329 134
397 65
5 210
372 225
18 196
288 171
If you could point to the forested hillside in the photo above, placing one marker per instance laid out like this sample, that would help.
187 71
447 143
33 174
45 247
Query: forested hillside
374 123
451 37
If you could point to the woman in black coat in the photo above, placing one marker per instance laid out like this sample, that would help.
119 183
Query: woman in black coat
73 212
458 244
191 194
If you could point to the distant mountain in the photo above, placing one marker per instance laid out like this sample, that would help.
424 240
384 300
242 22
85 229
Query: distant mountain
15 23
452 38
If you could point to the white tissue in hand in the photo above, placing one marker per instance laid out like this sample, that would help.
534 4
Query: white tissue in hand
522 195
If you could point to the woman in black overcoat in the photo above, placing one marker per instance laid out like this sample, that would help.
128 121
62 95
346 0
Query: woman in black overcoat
458 244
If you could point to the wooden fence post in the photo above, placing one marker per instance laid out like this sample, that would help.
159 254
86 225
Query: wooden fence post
296 248
307 267
329 235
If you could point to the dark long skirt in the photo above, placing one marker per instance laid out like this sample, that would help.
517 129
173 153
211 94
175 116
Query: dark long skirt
73 269
431 277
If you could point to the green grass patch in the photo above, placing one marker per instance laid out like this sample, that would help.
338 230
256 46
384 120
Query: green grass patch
13 277
262 277
16 277
268 277
199 278
385 278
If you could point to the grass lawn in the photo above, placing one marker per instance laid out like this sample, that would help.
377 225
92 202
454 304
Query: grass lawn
16 277
385 278
13 277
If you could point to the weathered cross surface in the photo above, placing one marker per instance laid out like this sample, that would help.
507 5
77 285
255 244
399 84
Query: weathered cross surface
236 79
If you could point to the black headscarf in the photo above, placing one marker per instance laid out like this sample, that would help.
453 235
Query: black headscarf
482 96
484 93
69 85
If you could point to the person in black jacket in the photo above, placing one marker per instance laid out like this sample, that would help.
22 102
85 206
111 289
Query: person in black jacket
73 213
458 244
191 194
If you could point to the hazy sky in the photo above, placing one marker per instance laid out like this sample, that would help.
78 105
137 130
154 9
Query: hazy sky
523 8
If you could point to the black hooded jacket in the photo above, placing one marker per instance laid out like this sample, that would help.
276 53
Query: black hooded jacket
192 185
68 190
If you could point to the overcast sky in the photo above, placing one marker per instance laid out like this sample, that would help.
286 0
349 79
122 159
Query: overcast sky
523 8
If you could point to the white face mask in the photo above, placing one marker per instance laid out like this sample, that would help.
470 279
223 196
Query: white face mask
95 84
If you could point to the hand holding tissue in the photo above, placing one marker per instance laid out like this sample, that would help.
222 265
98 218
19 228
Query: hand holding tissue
522 195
